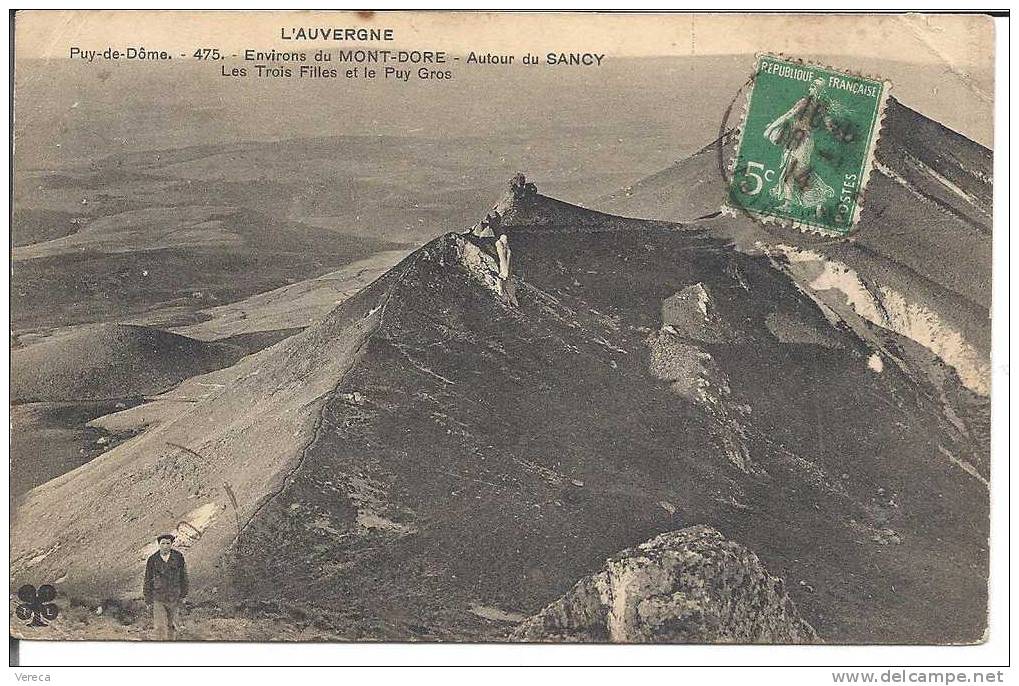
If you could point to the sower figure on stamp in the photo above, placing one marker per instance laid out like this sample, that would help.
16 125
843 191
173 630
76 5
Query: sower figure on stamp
794 131
166 585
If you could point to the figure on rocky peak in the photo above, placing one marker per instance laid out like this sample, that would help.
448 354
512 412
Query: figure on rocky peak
520 188
489 227
507 289
489 237
495 222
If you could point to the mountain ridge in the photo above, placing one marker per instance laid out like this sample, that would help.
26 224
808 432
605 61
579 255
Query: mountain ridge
934 256
427 449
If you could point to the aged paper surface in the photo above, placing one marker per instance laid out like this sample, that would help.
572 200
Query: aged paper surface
501 327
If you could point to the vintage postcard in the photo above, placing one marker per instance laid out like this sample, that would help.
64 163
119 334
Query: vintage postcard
481 327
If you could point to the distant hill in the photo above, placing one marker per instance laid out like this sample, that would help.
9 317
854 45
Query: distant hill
35 226
293 306
111 361
167 263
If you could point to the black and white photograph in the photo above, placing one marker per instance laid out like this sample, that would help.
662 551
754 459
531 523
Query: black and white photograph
511 328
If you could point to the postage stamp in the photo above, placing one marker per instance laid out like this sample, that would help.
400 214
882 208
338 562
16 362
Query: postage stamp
807 145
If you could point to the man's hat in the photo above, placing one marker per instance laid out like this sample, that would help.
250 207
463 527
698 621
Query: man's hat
160 537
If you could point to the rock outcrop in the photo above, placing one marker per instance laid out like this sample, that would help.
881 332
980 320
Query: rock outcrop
689 311
686 586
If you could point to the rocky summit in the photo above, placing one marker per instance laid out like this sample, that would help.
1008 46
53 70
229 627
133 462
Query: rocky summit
686 586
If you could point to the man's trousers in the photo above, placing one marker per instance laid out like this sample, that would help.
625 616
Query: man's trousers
165 618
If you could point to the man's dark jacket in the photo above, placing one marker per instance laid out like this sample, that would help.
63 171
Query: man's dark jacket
165 582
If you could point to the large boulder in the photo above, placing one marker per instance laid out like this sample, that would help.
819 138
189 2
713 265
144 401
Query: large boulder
686 586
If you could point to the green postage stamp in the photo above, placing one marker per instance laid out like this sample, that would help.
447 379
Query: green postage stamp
806 145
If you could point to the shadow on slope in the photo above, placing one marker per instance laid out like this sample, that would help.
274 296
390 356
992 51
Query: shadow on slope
483 456
425 451
111 361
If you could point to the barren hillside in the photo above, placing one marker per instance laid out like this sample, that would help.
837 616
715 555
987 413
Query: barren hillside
427 461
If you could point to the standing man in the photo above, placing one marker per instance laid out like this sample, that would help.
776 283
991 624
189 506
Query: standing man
166 584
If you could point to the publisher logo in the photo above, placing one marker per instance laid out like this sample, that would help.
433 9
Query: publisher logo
37 604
